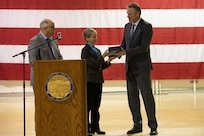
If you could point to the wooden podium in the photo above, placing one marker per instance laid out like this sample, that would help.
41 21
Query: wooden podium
60 98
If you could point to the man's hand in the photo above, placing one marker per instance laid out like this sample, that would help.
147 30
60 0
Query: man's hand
119 54
107 53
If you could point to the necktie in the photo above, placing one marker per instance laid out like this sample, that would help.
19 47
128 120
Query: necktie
132 30
50 47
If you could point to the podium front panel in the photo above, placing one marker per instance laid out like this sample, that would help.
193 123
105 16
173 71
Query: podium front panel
60 111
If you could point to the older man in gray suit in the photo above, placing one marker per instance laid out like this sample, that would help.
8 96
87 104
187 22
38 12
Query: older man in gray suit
42 46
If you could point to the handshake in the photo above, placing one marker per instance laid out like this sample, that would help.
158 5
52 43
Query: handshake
114 52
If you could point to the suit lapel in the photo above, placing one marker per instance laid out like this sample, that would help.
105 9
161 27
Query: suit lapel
54 48
49 51
137 30
128 30
46 47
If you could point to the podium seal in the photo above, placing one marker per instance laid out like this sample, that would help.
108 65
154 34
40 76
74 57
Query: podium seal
59 86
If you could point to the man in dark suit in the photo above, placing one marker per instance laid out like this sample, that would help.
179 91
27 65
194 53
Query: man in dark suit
41 43
136 46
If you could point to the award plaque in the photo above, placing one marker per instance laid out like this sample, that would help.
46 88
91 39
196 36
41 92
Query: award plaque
114 50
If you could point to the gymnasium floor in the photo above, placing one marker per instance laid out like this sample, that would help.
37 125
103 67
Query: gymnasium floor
178 113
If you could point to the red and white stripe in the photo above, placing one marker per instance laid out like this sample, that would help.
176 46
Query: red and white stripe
177 47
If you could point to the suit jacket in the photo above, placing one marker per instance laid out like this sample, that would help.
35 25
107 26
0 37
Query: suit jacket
138 48
42 52
95 64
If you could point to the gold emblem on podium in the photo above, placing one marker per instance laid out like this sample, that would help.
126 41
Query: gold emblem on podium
59 86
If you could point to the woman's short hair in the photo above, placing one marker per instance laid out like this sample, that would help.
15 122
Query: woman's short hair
88 32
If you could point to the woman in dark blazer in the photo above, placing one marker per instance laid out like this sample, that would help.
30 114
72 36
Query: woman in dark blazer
95 64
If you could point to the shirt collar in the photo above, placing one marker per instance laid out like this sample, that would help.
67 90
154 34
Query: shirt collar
92 47
89 44
44 37
136 23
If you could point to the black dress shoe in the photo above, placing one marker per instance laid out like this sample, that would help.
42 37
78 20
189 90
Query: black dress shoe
89 134
90 131
100 132
153 132
134 130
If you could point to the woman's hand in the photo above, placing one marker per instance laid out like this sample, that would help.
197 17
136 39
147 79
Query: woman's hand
110 59
106 53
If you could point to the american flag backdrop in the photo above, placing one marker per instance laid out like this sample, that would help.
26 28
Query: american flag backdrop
177 47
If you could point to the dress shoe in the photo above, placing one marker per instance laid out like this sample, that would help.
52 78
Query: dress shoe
134 130
100 132
153 132
90 131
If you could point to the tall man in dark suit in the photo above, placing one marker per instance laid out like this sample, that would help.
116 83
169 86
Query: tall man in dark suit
136 46
48 47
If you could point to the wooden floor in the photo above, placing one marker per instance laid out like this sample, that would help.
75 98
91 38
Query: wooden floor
178 114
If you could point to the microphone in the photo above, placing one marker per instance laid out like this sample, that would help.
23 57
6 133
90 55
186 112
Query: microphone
59 36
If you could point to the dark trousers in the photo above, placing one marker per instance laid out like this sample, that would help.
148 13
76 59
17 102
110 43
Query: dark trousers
94 91
142 82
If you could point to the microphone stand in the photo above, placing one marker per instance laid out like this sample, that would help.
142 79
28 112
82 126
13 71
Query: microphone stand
23 54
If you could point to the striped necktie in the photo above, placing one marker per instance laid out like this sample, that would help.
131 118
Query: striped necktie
50 47
132 30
